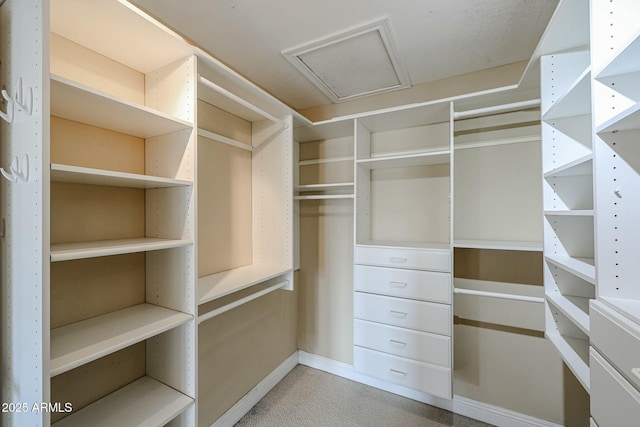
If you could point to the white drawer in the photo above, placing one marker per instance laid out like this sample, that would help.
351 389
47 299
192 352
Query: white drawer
419 315
618 338
420 346
420 259
415 284
614 402
430 379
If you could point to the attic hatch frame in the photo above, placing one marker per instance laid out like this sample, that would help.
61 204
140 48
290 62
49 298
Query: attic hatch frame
382 28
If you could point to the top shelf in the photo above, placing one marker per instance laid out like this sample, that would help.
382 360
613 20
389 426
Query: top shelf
74 101
503 245
576 101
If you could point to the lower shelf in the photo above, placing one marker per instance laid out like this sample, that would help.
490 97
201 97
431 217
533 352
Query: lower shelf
145 402
575 353
82 342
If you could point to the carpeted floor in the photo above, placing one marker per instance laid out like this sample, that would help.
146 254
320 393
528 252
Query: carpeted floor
307 397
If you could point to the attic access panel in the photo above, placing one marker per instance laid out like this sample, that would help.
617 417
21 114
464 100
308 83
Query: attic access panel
355 63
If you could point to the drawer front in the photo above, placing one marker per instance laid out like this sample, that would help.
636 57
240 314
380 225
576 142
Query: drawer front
618 339
420 346
418 315
420 259
414 284
614 402
430 379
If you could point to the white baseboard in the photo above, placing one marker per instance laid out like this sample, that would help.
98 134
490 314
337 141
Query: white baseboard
460 405
244 405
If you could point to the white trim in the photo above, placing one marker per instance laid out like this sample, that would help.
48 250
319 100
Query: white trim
244 405
460 405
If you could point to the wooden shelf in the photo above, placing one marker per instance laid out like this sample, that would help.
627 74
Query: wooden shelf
579 167
82 175
82 342
99 248
324 187
575 353
506 245
576 100
223 139
227 282
625 61
74 101
576 309
145 402
584 268
407 160
628 119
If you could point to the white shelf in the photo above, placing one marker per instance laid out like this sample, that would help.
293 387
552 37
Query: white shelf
579 167
407 160
628 119
628 307
74 101
99 248
575 353
404 244
82 342
584 268
626 61
324 187
82 175
325 160
574 308
507 245
572 212
227 282
496 142
576 101
145 402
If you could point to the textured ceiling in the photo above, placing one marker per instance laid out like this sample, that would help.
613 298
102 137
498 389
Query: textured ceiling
435 38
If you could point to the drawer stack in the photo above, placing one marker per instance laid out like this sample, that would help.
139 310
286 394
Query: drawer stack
615 368
403 316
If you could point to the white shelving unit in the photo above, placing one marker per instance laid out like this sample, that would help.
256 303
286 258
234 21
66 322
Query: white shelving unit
257 141
569 211
403 166
616 312
616 102
325 161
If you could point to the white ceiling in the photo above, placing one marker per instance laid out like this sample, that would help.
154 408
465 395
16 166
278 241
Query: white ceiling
435 38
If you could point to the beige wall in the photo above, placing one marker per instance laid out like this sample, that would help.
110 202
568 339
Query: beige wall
238 349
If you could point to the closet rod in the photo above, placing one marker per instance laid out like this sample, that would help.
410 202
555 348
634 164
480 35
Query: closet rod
324 197
496 109
237 303
224 140
241 101
498 295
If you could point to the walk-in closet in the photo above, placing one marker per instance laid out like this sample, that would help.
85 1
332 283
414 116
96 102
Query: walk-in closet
189 224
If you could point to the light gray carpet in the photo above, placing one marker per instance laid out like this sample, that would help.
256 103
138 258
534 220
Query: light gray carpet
307 397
